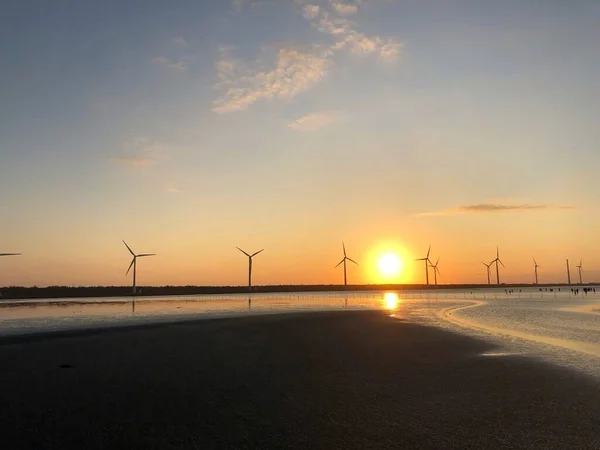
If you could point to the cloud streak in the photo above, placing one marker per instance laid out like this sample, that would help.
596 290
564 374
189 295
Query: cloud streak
141 152
179 66
314 121
492 208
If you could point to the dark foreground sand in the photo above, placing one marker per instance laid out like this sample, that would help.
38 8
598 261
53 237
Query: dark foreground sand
307 381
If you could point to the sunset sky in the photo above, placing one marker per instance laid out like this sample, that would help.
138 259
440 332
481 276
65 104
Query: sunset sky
190 127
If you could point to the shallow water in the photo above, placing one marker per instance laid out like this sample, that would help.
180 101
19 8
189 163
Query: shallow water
557 326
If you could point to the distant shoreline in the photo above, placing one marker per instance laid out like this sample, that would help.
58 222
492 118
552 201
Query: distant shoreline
20 293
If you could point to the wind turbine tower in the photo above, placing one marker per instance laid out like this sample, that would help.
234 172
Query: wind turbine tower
343 261
536 270
250 256
436 271
427 264
497 260
134 263
568 273
580 268
487 266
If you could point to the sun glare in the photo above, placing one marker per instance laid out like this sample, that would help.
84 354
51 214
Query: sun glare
391 300
389 265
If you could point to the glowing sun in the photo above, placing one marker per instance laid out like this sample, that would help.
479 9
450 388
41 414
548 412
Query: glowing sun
389 264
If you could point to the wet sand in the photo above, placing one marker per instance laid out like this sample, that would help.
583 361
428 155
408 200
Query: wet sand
349 380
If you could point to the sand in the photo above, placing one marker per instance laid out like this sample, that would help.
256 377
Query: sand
348 380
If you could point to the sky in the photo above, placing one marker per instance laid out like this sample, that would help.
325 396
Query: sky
189 127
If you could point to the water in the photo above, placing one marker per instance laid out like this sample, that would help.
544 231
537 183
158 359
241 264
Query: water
556 326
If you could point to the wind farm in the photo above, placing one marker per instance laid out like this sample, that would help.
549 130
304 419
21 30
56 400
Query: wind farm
226 149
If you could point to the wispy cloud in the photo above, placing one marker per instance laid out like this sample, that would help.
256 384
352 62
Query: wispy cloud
174 190
347 37
314 121
179 66
344 8
310 11
180 41
141 152
486 208
295 71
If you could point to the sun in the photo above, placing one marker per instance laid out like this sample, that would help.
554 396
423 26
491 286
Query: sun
389 265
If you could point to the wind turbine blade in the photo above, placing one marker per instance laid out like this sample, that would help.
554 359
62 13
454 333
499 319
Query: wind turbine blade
484 264
146 254
350 259
132 261
501 263
497 252
9 254
437 262
428 251
340 262
254 254
535 262
437 270
344 248
243 252
421 259
128 248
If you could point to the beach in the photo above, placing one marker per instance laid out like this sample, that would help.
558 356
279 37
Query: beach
351 380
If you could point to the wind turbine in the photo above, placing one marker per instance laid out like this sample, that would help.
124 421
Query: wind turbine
568 273
487 266
580 268
250 256
134 262
536 270
497 260
427 263
344 259
435 270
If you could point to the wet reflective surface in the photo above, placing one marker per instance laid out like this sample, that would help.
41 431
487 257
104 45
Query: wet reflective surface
558 326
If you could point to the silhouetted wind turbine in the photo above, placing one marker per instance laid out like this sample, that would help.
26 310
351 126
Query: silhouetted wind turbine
250 256
435 270
487 266
580 268
427 263
134 263
344 259
568 273
497 260
536 270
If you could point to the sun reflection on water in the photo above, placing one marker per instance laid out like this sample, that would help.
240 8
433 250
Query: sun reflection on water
391 301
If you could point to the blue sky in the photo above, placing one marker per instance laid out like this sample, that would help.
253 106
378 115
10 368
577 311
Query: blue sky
190 127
